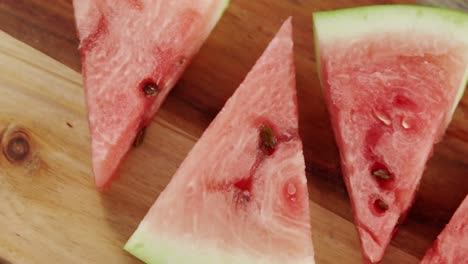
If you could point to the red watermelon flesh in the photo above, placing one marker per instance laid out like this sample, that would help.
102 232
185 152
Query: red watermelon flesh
241 195
451 246
133 52
391 91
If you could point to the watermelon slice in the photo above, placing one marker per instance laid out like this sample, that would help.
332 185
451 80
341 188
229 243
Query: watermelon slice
392 78
241 194
133 52
451 245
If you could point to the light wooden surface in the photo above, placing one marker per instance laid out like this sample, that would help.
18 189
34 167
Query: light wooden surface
49 209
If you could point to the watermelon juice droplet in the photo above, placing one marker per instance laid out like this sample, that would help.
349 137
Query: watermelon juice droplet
292 192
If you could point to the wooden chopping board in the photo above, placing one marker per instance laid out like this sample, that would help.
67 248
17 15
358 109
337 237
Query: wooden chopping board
50 211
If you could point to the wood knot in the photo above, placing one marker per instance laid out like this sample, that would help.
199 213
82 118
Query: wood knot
16 147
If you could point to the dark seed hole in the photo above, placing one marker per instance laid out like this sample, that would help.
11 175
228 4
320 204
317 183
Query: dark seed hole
384 177
268 139
380 206
151 89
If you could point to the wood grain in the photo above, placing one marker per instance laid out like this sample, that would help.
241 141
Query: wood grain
50 211
454 4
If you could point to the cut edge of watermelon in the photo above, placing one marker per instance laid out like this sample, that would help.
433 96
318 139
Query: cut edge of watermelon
163 250
111 165
378 18
367 20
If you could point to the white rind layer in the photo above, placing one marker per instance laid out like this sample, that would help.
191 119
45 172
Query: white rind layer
157 248
347 24
384 18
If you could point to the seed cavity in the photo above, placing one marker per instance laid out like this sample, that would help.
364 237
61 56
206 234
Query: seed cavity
382 174
139 137
380 205
268 139
151 89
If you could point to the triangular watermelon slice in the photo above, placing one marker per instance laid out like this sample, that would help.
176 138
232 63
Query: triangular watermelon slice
240 196
392 77
451 245
133 52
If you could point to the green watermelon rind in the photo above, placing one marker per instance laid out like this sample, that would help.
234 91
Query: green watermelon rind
160 249
328 26
226 5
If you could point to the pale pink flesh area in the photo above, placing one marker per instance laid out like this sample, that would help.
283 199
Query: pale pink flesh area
228 190
390 96
451 245
124 45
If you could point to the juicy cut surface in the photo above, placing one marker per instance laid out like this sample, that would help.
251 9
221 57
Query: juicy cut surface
132 53
390 96
241 192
